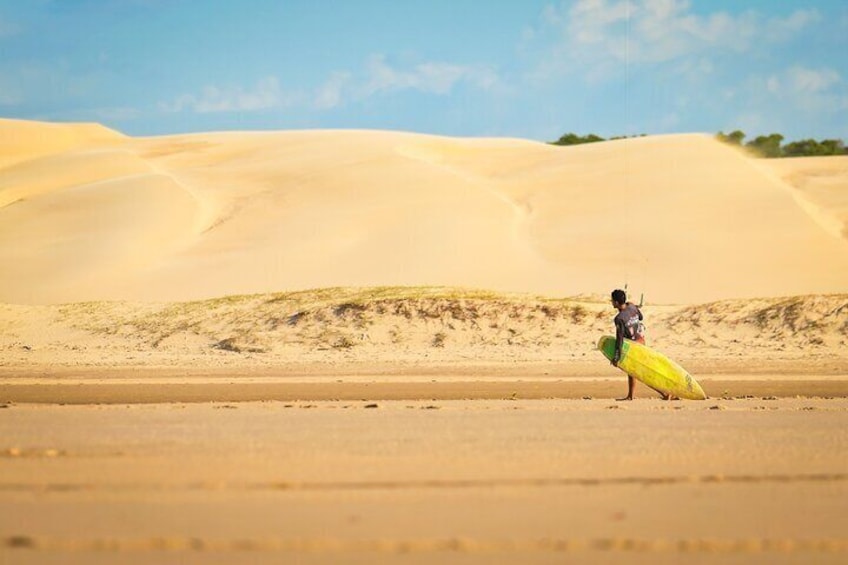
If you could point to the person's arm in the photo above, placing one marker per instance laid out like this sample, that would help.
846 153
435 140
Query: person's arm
619 340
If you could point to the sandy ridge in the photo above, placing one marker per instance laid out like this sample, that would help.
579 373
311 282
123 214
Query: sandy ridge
417 326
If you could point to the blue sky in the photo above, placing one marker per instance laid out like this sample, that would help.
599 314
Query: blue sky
517 68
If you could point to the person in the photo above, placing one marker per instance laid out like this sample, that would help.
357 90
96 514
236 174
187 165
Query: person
628 325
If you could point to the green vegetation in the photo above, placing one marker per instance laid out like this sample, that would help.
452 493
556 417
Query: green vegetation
335 319
574 139
769 146
813 148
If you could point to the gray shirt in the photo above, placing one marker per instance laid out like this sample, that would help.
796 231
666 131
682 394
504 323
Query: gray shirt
628 325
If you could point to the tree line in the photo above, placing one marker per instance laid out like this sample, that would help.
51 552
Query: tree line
574 139
770 146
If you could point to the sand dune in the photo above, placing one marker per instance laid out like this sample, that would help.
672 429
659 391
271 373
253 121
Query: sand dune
22 140
821 184
88 214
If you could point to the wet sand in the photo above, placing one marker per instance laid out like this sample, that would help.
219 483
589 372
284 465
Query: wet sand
387 381
734 480
227 390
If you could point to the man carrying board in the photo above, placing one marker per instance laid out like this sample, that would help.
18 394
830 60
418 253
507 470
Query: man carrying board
628 325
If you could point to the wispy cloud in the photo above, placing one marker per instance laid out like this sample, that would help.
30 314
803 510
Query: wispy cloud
430 77
798 82
264 95
593 33
331 93
806 80
796 92
819 91
378 77
381 78
778 29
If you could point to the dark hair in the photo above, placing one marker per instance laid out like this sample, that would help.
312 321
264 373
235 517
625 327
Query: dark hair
619 296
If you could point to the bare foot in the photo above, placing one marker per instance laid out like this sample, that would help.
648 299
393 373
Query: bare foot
623 399
669 396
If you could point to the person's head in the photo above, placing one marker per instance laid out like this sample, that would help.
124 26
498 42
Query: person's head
619 298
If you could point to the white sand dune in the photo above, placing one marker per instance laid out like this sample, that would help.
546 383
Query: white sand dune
22 140
89 214
821 186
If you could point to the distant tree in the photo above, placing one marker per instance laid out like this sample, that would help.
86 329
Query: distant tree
574 139
813 148
767 145
733 138
770 145
568 139
627 136
802 148
834 147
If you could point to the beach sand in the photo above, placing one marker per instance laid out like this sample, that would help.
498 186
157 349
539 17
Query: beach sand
753 480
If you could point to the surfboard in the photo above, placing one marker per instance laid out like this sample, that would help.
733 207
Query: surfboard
653 368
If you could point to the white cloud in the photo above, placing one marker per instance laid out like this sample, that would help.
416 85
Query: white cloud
378 77
813 91
589 21
330 95
812 80
808 95
264 95
778 28
592 33
431 77
696 67
799 82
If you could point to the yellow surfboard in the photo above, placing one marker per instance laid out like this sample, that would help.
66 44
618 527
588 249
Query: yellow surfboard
653 368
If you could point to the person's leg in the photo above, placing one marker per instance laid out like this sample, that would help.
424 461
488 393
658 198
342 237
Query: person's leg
631 386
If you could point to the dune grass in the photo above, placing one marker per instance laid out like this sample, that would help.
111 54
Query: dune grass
343 318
